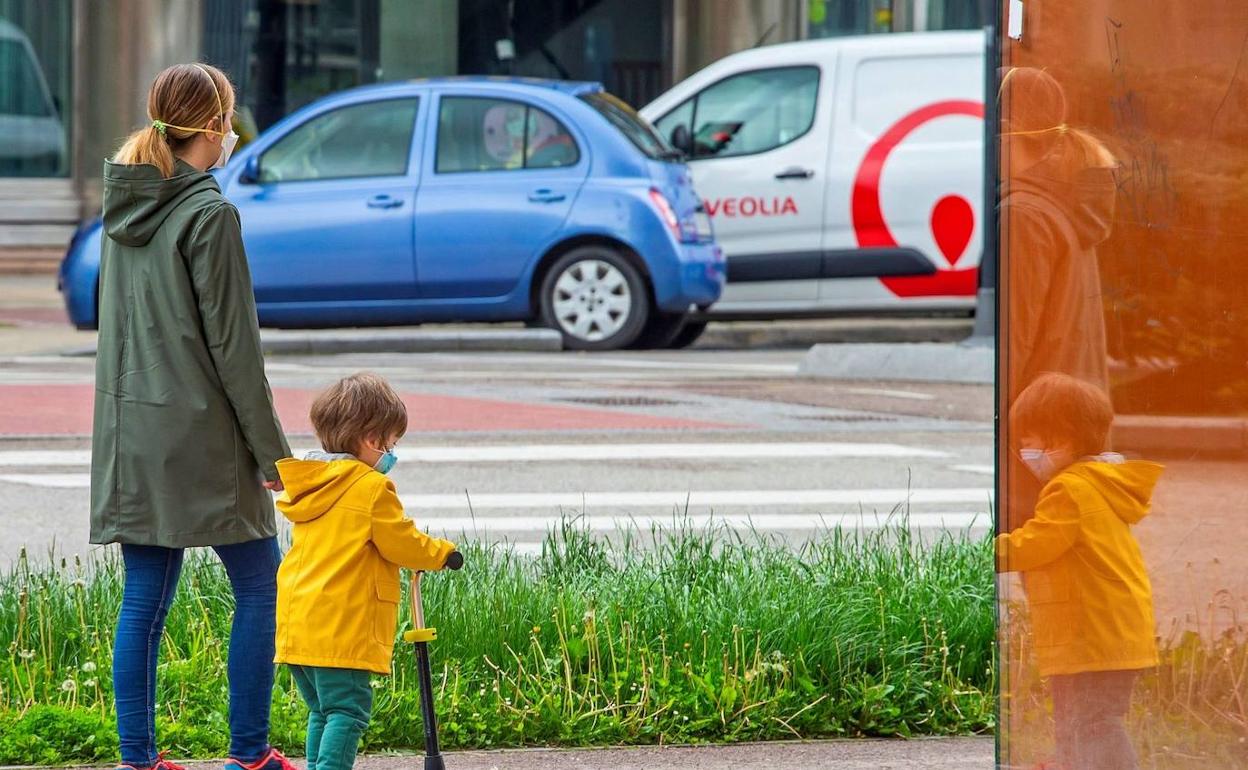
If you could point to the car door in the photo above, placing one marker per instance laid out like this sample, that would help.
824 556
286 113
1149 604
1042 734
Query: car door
500 182
330 214
757 146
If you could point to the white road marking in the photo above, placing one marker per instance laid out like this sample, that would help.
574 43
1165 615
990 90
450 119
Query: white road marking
769 522
557 453
912 395
987 470
681 498
50 480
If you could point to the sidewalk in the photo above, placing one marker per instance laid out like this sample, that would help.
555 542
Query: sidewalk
918 754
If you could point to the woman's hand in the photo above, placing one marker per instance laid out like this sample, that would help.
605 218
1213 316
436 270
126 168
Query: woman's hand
274 486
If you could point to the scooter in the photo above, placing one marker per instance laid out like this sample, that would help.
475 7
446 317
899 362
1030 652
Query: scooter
420 636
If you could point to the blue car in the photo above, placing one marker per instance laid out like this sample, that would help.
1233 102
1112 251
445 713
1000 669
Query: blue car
464 199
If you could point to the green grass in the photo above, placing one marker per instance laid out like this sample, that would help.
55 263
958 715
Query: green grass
691 636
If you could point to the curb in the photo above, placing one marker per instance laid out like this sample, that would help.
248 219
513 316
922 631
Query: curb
339 341
902 362
1153 433
795 333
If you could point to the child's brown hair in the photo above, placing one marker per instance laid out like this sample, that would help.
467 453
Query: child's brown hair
356 408
1061 409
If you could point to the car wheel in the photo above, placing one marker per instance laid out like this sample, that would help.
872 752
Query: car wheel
595 298
688 335
660 331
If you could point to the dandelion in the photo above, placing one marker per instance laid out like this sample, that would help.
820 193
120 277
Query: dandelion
26 654
376 684
69 685
688 645
88 667
90 684
79 583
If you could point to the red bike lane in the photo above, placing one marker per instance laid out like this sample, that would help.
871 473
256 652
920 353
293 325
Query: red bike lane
66 410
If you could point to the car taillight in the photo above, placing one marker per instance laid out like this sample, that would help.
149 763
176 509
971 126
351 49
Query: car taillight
665 211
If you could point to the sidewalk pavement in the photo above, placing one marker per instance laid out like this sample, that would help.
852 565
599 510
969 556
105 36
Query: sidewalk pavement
972 753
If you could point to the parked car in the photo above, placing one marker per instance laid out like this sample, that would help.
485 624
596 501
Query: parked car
464 199
842 174
34 139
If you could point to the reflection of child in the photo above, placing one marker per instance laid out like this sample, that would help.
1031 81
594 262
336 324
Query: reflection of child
1089 595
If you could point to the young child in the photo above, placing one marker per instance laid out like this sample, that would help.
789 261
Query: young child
1089 595
338 586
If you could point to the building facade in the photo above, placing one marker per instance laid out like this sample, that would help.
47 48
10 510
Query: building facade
74 73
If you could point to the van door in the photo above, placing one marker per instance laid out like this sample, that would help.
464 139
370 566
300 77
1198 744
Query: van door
757 147
905 180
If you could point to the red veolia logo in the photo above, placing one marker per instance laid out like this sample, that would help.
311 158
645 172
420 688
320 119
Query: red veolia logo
953 218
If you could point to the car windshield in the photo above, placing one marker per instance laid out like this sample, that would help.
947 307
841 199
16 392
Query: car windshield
632 125
24 93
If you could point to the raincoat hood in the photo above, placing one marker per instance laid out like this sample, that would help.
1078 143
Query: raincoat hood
315 485
1077 179
137 199
1126 485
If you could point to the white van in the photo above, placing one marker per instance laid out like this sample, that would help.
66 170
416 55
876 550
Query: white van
842 174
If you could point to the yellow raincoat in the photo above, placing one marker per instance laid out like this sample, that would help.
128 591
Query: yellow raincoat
1088 592
338 586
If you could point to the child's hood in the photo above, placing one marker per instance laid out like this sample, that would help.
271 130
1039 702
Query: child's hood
1126 485
316 484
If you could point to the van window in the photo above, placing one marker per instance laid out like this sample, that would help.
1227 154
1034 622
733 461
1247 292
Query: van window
927 79
476 134
748 113
361 140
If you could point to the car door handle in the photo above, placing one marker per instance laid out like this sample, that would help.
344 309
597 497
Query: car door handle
795 172
384 202
546 196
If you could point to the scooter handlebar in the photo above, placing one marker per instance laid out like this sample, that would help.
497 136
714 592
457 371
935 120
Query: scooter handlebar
455 560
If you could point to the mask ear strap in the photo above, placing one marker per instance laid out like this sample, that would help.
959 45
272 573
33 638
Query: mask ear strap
220 105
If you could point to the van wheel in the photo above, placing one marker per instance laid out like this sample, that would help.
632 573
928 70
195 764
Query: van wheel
688 335
595 298
660 331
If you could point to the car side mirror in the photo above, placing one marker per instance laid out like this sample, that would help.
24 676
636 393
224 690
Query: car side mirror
251 171
682 140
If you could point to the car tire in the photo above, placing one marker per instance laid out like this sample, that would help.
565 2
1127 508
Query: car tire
595 298
660 331
687 335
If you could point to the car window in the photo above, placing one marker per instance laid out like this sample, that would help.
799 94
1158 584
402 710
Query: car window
632 125
750 112
477 134
362 140
24 93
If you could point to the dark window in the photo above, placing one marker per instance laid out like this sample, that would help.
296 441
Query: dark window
632 125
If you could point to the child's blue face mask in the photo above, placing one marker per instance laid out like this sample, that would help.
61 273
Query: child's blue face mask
386 462
1040 462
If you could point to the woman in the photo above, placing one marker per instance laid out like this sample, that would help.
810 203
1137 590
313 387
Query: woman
185 438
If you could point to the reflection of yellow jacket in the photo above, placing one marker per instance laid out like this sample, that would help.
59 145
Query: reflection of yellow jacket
1088 592
338 586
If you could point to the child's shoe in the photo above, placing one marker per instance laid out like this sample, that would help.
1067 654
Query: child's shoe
272 760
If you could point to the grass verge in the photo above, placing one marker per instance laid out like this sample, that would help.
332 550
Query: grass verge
692 636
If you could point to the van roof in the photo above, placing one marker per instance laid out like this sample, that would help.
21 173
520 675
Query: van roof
896 42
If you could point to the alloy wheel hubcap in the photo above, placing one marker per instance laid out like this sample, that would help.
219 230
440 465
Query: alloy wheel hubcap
592 301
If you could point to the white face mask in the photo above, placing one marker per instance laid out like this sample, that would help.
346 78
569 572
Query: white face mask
227 148
1040 462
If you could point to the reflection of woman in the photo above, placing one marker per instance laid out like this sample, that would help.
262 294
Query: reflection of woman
1057 205
185 438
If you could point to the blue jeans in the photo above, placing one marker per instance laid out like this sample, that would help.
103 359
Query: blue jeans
151 580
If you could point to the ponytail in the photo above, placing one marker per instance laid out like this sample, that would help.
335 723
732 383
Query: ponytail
183 99
147 146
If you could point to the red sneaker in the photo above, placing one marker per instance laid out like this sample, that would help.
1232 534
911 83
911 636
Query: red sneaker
272 760
161 764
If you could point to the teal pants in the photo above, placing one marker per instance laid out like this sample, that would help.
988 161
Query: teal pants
340 702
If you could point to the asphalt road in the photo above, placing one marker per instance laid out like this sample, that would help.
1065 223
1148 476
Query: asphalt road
501 446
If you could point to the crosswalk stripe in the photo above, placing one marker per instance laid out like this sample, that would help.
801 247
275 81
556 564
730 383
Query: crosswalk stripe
558 453
50 480
766 522
682 498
